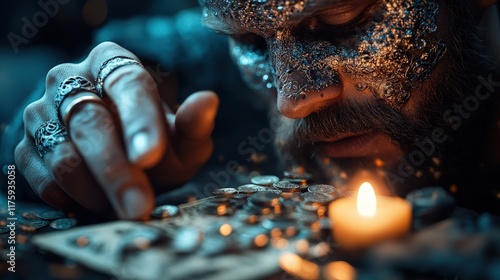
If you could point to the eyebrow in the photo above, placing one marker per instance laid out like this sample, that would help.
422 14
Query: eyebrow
227 26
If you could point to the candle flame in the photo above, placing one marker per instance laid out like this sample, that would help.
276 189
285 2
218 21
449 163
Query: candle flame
367 203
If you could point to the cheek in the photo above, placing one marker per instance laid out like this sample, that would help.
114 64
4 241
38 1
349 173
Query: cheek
254 67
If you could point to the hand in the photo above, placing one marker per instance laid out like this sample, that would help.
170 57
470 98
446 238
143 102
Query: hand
119 146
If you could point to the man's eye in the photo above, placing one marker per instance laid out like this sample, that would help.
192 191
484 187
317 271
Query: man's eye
339 26
250 39
347 22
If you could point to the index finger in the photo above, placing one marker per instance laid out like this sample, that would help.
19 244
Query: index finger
135 95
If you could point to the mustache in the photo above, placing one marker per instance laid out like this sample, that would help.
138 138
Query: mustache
353 117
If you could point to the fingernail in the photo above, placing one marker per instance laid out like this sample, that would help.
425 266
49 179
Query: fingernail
140 145
134 203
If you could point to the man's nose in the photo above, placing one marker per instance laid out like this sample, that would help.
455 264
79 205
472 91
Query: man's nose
312 101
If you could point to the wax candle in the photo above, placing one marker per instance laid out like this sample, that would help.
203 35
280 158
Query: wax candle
357 224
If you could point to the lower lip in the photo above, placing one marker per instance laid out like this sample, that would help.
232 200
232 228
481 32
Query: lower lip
355 146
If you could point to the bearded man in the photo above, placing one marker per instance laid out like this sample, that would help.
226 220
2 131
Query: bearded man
402 92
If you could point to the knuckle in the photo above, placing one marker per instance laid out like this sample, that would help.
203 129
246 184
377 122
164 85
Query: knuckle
106 50
57 71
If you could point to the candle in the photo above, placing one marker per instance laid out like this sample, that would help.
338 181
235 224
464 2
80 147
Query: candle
369 219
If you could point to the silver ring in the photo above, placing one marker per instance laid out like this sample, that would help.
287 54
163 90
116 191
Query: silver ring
72 85
111 65
49 135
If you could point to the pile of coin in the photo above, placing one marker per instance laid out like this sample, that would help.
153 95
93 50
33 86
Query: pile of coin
268 195
32 221
267 210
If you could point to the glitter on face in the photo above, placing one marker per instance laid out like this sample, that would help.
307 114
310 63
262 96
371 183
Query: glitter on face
390 52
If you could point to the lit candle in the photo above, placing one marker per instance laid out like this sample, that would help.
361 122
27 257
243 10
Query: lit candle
370 219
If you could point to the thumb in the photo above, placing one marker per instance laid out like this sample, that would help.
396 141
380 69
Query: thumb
194 123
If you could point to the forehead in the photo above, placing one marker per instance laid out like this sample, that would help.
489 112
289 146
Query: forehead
231 16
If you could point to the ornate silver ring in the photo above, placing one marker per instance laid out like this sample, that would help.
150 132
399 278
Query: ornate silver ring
111 65
73 85
49 135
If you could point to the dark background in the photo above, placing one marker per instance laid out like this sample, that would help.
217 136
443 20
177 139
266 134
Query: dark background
67 34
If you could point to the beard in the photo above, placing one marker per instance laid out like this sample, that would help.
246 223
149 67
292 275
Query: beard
296 140
441 163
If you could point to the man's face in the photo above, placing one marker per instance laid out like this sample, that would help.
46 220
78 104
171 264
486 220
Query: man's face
354 81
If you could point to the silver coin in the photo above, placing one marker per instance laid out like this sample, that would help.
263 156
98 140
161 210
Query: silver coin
316 197
291 200
278 192
225 191
32 226
63 223
300 182
30 216
264 199
321 188
296 175
165 211
250 189
310 206
265 180
286 186
52 215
